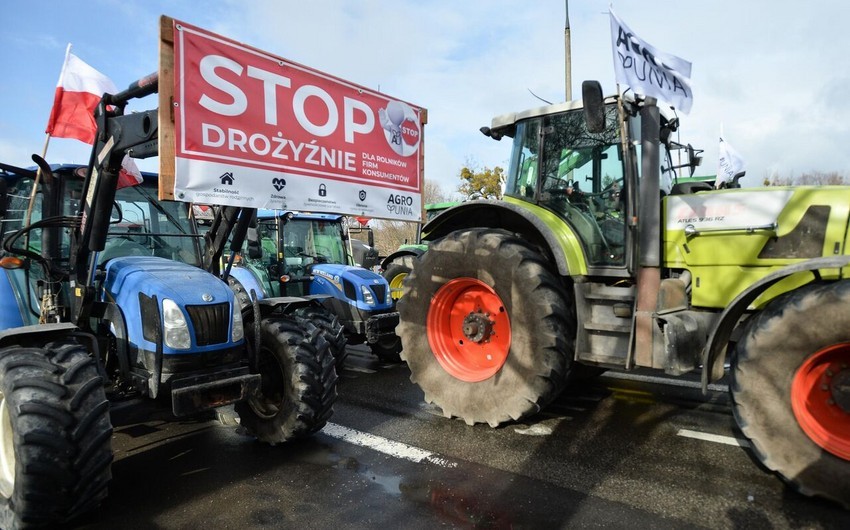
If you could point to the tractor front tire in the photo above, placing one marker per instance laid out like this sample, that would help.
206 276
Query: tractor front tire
298 387
332 331
790 381
387 348
55 435
488 328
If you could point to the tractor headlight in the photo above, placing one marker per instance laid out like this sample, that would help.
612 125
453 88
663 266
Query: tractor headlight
238 330
388 299
367 295
176 329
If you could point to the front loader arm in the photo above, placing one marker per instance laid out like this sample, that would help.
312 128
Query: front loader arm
228 220
117 135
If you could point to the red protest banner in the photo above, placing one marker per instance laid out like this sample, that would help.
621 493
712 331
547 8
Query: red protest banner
253 129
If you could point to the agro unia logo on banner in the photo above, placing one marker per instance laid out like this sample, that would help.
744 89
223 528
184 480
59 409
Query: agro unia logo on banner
401 127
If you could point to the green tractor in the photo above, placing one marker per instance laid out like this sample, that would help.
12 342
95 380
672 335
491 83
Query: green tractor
598 258
398 265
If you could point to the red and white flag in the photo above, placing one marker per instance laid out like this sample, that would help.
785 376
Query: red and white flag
79 90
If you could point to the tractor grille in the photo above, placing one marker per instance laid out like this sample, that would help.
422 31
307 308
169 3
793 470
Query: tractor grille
380 291
366 275
211 323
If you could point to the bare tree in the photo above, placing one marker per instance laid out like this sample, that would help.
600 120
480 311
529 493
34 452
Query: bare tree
389 235
813 178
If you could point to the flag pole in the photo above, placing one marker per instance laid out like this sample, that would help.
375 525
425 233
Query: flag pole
35 184
568 56
46 143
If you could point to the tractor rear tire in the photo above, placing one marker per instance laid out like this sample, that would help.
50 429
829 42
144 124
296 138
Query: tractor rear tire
298 387
790 380
488 329
55 435
332 331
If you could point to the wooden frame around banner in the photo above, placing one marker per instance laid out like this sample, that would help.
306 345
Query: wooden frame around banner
166 108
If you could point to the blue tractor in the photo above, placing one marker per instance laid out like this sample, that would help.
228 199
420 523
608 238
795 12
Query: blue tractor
110 294
308 255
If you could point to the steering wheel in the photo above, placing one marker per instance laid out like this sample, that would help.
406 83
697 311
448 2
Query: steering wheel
610 189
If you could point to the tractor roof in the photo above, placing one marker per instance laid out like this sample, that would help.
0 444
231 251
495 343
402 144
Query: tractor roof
9 172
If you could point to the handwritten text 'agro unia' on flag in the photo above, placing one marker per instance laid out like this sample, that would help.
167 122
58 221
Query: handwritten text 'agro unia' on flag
649 71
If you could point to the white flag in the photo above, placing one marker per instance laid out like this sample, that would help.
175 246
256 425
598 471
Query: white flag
729 164
649 71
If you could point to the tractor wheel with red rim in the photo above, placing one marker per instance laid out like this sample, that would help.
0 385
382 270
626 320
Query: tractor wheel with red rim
791 388
487 327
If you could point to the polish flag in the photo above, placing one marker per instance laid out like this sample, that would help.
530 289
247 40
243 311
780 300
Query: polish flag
79 90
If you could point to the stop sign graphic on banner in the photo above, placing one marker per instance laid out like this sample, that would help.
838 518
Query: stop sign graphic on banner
410 132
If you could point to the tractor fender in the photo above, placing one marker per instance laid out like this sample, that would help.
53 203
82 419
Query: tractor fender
413 251
36 334
13 309
555 237
248 280
112 314
714 354
288 304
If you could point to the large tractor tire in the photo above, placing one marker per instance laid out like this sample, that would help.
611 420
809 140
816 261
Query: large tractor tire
387 348
395 274
332 331
487 327
791 388
298 387
55 435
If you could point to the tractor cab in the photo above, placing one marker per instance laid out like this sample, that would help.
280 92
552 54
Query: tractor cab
307 255
587 179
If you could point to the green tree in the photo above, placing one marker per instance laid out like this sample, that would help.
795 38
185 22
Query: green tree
477 183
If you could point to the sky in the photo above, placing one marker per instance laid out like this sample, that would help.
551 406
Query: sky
771 73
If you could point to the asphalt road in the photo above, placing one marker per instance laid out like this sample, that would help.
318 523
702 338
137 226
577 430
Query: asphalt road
628 451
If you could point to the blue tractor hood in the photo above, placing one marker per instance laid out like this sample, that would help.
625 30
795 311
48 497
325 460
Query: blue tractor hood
346 282
128 278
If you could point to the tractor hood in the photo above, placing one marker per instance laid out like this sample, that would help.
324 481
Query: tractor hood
185 284
348 283
134 282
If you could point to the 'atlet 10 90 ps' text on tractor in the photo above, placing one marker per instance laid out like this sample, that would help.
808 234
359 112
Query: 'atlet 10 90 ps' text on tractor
591 262
306 255
105 297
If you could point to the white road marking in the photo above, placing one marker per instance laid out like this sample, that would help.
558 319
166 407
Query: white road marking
664 381
386 446
358 369
716 438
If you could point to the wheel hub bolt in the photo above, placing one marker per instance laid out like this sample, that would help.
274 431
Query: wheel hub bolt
477 327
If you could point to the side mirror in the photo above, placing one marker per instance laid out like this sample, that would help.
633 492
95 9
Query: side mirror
694 158
594 109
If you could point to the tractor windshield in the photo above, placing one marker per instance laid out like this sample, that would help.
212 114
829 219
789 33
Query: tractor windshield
140 224
308 241
144 226
576 174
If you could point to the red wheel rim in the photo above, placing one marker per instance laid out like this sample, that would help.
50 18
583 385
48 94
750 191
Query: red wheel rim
820 398
469 330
